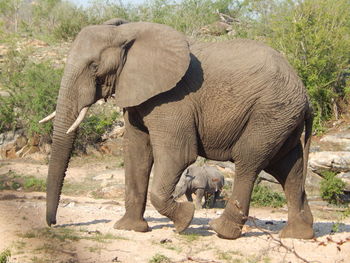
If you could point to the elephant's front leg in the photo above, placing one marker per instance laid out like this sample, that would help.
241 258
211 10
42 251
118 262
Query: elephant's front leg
199 196
229 225
169 163
138 161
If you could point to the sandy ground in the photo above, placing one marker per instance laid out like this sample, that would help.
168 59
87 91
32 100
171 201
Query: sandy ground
85 232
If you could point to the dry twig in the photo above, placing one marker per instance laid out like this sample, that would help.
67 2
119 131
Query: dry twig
278 241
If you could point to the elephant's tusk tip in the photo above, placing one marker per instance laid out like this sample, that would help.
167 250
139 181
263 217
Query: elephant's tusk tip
48 118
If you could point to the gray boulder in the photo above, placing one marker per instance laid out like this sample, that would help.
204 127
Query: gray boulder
329 161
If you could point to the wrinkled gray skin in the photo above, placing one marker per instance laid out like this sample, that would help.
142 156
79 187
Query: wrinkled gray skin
203 181
237 100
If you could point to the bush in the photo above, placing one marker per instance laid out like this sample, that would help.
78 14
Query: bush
34 184
264 196
5 256
69 20
94 126
314 35
33 92
331 188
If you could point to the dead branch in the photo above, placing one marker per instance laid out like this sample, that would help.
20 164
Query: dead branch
199 260
278 241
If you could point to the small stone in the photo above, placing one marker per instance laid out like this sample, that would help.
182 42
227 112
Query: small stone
165 240
71 204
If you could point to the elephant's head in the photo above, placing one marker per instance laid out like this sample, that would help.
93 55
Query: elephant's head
133 61
183 184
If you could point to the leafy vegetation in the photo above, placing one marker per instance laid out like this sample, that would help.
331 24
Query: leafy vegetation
314 35
14 181
94 126
5 256
34 184
189 237
264 196
33 90
331 188
159 258
64 234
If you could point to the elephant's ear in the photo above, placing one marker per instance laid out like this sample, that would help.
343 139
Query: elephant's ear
156 60
115 22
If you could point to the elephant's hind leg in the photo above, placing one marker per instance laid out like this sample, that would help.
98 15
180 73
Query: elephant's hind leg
289 172
169 163
138 161
252 153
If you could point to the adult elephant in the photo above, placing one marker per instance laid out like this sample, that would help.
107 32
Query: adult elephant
237 100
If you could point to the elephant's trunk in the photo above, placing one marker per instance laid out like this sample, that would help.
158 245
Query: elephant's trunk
62 145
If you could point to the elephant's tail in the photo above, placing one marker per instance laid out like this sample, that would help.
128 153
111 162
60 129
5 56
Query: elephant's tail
307 138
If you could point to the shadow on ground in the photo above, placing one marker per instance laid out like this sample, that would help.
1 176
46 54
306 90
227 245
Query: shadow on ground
93 222
321 228
257 227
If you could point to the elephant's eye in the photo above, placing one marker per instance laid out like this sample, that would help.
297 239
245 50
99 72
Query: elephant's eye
93 67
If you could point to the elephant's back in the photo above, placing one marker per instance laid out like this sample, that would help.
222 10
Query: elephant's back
236 58
242 79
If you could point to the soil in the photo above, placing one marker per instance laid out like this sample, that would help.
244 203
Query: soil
87 213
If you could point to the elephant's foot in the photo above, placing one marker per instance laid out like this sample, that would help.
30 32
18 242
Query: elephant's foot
226 228
183 216
129 223
297 228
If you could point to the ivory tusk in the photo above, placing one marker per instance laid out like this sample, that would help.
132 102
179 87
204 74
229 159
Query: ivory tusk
48 117
78 120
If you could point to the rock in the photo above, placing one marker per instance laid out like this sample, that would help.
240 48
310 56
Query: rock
336 142
345 177
10 136
4 93
104 176
21 141
114 147
27 150
333 161
34 140
91 150
45 148
116 132
312 183
8 151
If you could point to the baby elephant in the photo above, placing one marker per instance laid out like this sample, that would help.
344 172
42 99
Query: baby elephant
203 181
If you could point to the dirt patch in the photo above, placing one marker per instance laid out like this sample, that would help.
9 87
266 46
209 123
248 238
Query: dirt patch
85 230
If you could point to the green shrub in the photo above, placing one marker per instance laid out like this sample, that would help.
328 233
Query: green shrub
69 20
159 258
314 36
331 188
34 184
94 126
5 256
33 92
264 196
